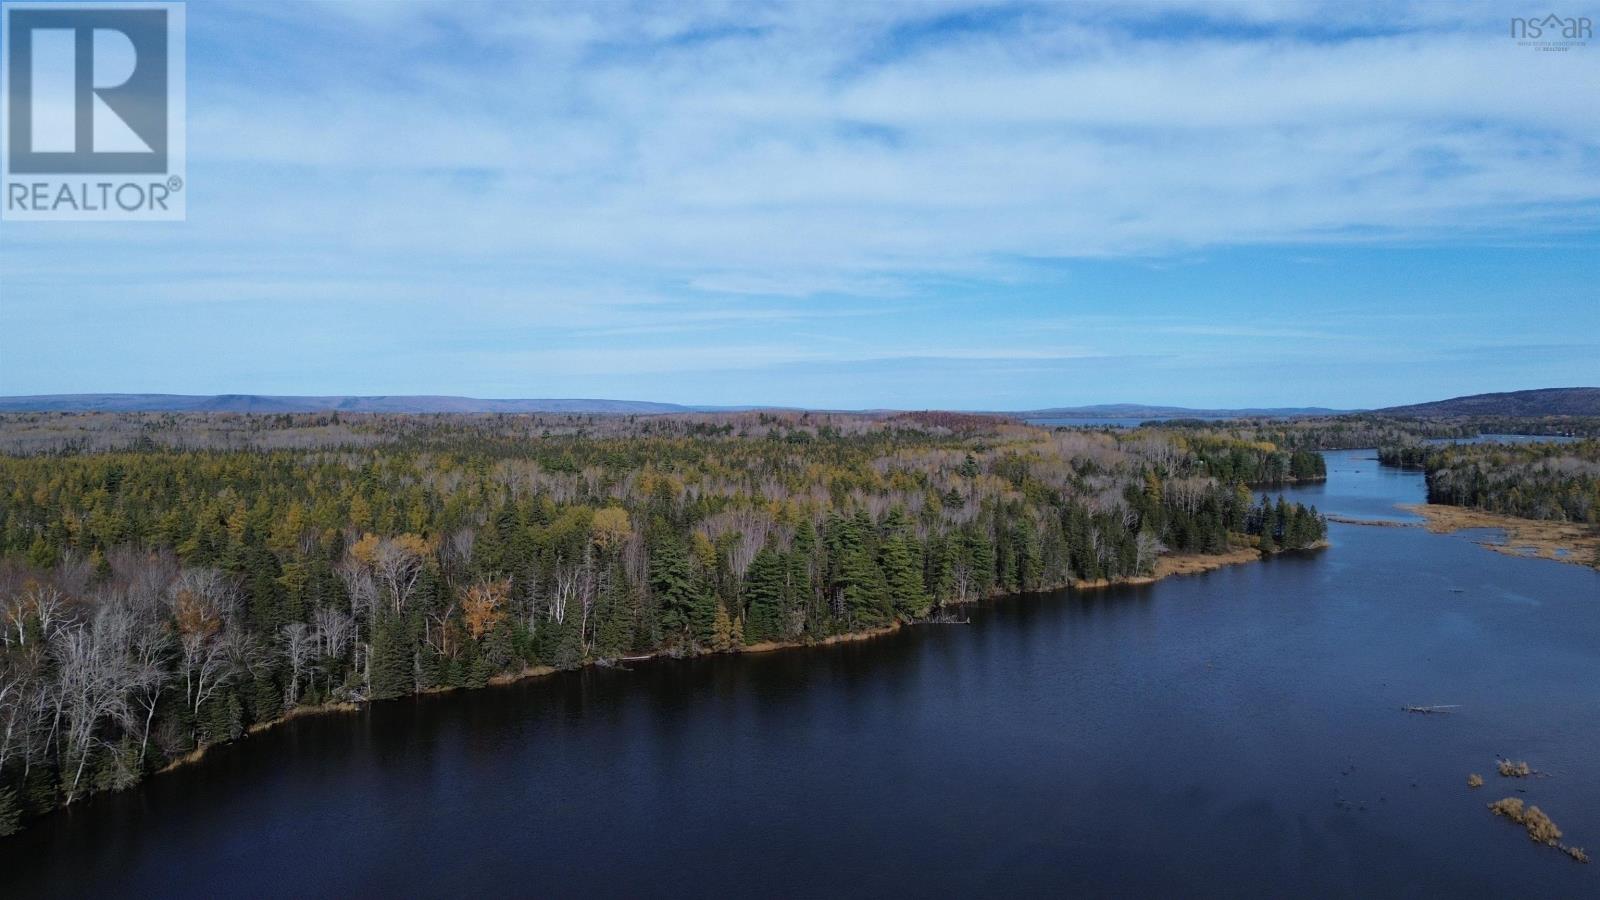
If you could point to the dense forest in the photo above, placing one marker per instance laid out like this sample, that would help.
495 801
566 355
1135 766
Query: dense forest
1554 481
168 581
1350 432
1313 434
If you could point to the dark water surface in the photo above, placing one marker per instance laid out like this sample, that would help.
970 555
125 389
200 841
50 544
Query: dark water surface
1231 734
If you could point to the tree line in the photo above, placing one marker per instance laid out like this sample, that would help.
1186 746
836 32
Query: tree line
1362 430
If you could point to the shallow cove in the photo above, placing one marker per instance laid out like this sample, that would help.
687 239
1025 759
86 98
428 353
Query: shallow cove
1232 733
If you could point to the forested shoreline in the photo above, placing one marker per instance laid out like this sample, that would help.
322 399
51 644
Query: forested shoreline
1545 481
168 581
1360 431
194 576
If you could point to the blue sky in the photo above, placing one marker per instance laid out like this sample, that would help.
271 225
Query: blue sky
960 205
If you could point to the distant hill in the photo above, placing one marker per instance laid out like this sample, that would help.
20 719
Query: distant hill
1572 401
422 403
1578 401
258 403
1141 411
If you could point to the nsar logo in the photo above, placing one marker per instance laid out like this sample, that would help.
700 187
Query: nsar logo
1552 32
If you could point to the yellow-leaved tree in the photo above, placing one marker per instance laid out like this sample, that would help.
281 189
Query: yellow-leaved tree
483 605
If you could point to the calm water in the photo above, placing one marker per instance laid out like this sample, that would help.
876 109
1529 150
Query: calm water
1358 487
1236 733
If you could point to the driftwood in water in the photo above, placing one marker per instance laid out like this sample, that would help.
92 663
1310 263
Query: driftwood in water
1432 710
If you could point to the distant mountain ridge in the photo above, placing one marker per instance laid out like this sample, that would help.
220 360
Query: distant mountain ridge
1569 401
1573 401
426 403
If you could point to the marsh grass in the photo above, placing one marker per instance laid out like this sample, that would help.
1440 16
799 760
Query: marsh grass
1509 769
1541 829
1510 807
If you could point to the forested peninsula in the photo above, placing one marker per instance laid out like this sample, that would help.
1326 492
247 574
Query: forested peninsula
1544 496
169 581
1546 481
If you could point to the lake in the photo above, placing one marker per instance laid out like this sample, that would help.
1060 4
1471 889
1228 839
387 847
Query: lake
1237 733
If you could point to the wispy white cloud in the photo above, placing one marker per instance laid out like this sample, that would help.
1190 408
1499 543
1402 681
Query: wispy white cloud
731 140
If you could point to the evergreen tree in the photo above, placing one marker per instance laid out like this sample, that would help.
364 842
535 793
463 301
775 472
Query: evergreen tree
568 650
221 718
266 698
42 554
969 467
1268 527
391 658
1027 554
767 594
861 583
10 811
802 597
672 581
902 572
981 562
616 616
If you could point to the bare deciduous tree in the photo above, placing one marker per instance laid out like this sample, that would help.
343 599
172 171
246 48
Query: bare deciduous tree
202 602
149 647
92 684
299 647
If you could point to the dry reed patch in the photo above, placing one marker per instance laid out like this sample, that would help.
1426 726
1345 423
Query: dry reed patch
1510 807
1195 563
1568 542
1509 769
1541 829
